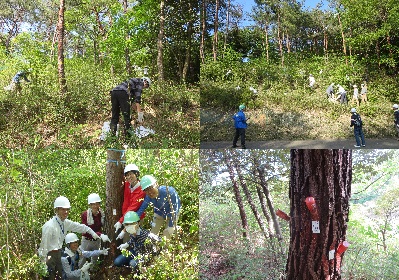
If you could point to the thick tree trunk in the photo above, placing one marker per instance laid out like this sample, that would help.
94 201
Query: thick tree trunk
251 202
160 42
114 198
60 31
238 198
325 176
215 33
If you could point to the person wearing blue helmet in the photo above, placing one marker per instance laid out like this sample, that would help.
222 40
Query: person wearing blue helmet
166 203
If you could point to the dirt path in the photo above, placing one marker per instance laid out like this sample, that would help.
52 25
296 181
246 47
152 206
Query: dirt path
307 144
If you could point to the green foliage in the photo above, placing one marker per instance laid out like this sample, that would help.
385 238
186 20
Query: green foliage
33 179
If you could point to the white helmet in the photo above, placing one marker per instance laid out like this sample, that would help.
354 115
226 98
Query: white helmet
395 106
130 167
62 202
353 110
71 237
147 80
93 198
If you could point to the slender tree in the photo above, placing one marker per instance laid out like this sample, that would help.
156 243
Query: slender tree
60 32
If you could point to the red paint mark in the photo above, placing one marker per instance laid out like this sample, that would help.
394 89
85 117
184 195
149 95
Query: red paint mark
341 249
282 215
311 204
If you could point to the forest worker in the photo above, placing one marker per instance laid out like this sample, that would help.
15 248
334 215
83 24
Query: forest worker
73 259
357 123
166 203
240 124
16 81
342 95
312 81
93 217
133 196
355 97
330 91
395 108
121 95
363 92
136 243
53 235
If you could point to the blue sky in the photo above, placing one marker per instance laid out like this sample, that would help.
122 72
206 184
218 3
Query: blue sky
247 5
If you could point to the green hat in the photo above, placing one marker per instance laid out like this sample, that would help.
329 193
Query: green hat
147 181
131 217
241 107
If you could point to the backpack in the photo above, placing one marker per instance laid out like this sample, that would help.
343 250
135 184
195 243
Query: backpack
358 121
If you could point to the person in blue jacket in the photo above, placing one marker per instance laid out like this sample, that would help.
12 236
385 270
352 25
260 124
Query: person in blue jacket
166 203
240 124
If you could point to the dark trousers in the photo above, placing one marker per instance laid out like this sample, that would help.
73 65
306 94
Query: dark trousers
120 103
54 265
358 131
239 132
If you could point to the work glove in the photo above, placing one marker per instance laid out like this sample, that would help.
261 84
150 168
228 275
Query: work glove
85 268
93 234
104 251
123 246
121 235
117 226
105 238
154 237
140 117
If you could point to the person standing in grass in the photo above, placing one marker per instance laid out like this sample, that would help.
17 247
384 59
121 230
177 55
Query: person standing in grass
395 108
357 123
355 97
363 93
240 124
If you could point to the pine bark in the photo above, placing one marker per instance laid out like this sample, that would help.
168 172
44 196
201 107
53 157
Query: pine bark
60 32
326 176
114 199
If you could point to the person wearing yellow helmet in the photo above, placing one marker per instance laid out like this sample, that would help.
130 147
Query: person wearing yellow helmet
53 235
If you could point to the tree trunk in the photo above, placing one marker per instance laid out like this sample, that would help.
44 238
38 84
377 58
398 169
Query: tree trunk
238 198
60 31
160 42
215 33
280 41
343 38
127 54
203 31
250 201
188 50
325 176
114 198
267 41
227 25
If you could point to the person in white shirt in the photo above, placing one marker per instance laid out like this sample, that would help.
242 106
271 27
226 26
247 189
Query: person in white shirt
312 81
53 235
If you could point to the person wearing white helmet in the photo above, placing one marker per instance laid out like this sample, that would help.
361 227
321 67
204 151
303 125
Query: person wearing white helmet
93 217
363 92
133 196
395 108
73 259
312 81
355 97
357 123
53 235
121 95
166 204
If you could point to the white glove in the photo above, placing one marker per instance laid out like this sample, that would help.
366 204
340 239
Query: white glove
117 226
123 246
104 251
85 268
93 234
140 117
121 235
105 238
154 236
